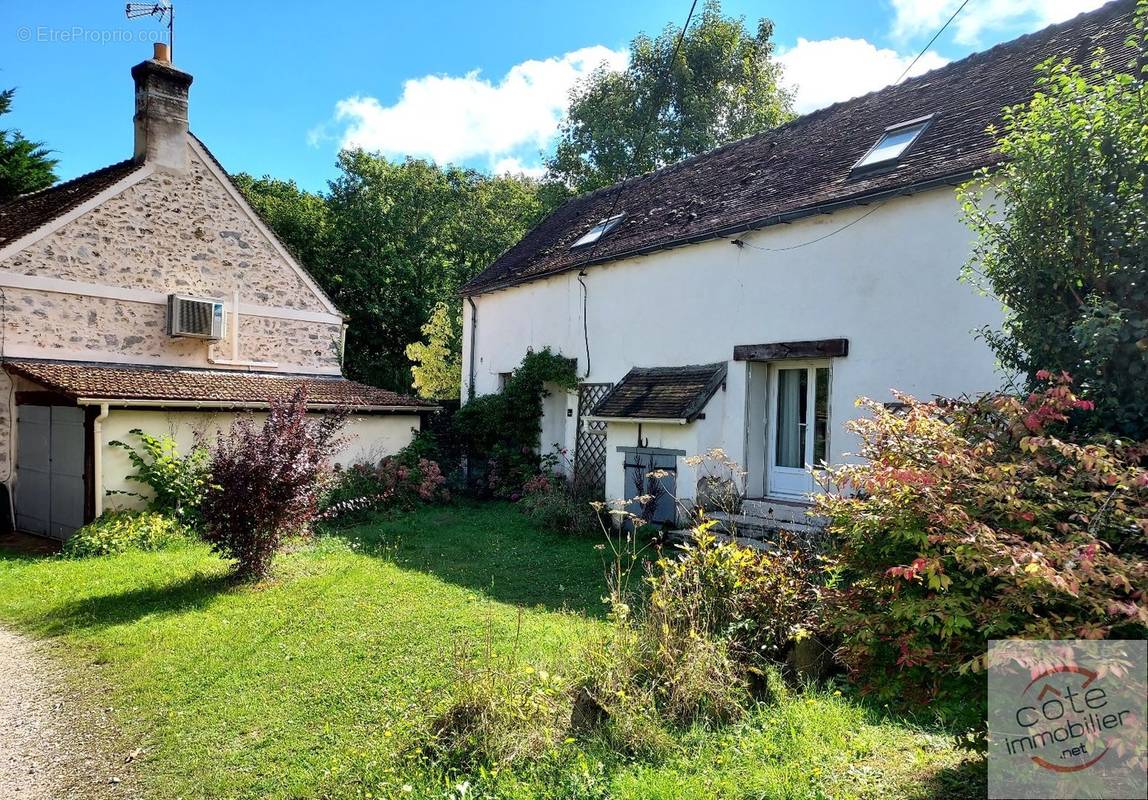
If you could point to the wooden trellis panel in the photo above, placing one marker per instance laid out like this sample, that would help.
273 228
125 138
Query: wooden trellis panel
590 445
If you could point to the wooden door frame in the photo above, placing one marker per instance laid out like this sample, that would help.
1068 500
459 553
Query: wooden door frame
810 365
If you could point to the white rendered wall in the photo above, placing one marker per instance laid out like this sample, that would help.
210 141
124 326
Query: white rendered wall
369 438
889 284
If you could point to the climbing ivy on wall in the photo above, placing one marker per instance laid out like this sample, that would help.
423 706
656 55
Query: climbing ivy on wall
499 432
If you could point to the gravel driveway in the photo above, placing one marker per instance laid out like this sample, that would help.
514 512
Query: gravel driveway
53 746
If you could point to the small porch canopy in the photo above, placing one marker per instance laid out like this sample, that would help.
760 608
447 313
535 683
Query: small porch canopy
669 395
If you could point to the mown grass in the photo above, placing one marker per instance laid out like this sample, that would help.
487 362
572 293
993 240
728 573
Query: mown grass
321 682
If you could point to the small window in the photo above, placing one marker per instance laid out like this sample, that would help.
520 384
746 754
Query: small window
598 231
893 143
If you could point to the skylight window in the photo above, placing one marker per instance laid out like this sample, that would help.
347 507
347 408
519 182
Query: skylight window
893 143
598 231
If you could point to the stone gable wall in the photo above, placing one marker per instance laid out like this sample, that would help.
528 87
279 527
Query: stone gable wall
170 233
76 327
167 234
294 342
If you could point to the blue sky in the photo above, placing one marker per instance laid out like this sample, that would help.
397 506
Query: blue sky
280 86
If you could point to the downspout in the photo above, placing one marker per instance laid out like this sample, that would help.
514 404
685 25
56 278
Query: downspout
473 337
98 460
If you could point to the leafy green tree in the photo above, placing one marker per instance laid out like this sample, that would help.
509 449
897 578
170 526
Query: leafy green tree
390 241
1063 236
24 164
723 86
437 359
407 236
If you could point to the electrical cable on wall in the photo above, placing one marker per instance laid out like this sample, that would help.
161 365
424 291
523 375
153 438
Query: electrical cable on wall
655 107
907 70
585 326
637 153
823 237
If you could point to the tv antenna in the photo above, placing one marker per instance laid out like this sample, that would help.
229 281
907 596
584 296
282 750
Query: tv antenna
161 10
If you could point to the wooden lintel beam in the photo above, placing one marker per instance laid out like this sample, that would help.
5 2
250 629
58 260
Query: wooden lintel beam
777 351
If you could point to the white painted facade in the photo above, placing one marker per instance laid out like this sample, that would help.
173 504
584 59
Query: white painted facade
888 283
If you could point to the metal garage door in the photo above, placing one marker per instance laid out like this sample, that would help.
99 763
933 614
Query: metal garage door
50 470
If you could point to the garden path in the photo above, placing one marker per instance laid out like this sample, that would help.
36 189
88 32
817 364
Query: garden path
52 745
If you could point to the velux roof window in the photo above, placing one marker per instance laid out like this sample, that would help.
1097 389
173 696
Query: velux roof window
598 231
893 143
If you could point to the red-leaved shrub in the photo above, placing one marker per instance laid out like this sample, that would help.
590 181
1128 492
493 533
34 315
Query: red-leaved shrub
979 520
266 481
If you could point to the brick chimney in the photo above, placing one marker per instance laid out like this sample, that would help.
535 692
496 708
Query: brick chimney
161 112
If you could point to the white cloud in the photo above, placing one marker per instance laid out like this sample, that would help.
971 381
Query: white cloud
452 119
923 17
824 71
513 166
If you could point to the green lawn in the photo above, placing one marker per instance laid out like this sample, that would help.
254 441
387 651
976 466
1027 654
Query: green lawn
321 682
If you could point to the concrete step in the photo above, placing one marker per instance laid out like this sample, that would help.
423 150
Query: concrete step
686 537
781 511
805 530
753 522
759 523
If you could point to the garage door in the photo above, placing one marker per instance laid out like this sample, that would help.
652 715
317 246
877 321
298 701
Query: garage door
50 470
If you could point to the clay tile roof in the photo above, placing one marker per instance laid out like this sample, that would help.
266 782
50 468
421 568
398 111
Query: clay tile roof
129 382
28 212
670 393
805 166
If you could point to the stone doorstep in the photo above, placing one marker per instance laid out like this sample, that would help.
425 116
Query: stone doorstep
757 526
684 537
755 531
778 511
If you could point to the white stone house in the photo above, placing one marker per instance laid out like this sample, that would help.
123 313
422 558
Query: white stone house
744 299
149 295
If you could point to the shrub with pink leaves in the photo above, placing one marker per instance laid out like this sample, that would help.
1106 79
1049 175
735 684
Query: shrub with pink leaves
987 519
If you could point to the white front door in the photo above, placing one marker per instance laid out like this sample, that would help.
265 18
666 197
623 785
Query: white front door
797 425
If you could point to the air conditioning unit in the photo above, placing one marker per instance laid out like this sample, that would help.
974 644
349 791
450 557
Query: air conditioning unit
194 317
